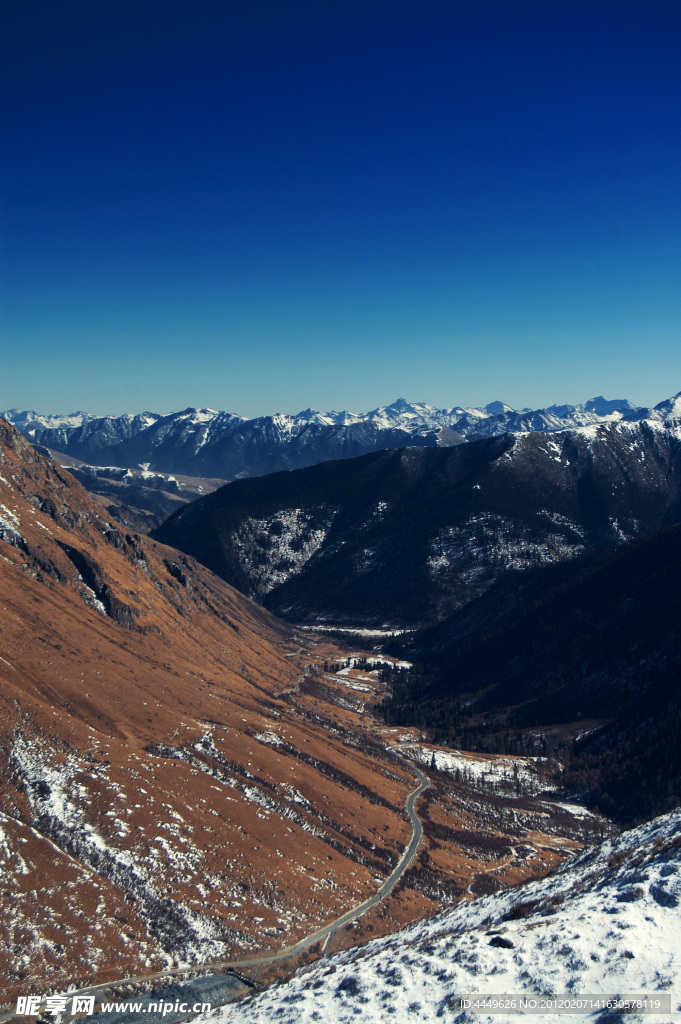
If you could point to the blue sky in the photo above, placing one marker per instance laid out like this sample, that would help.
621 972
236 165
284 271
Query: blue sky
266 206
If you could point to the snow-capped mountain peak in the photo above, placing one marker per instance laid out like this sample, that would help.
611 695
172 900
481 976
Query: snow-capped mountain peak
605 407
197 415
205 442
498 408
407 415
669 409
27 418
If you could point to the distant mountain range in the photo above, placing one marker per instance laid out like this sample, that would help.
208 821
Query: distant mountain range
406 537
206 443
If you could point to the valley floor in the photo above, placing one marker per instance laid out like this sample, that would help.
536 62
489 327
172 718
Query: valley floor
476 825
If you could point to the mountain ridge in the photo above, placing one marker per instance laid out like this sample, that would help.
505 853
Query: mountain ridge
337 541
210 443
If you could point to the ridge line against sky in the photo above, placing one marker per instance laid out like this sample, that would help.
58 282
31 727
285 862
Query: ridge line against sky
242 206
450 408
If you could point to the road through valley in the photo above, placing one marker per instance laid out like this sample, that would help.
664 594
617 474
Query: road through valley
323 934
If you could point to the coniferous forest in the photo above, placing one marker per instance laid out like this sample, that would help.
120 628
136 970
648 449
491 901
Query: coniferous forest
580 661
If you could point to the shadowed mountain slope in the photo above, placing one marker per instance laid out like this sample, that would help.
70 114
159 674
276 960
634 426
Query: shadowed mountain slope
598 639
405 537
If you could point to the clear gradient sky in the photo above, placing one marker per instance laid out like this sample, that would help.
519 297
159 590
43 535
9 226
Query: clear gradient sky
262 206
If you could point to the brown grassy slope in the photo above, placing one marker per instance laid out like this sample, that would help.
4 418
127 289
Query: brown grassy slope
154 802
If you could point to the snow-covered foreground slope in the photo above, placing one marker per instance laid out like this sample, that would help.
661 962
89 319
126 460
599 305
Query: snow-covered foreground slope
605 924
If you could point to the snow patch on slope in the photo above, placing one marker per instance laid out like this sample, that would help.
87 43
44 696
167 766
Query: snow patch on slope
277 547
10 527
513 774
487 541
606 923
61 810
